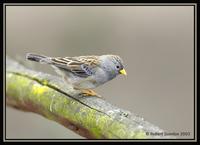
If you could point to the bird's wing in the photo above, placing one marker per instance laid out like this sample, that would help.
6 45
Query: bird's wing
82 66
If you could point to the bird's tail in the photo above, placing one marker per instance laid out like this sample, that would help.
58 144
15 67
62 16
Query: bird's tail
38 58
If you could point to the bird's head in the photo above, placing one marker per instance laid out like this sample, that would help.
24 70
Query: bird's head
113 64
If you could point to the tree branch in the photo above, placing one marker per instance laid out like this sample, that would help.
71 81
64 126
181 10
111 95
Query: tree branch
91 117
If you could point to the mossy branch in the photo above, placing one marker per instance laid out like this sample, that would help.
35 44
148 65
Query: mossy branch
90 117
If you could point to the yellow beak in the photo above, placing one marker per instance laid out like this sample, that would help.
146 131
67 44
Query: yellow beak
123 72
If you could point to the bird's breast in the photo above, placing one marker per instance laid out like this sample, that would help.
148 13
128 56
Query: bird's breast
102 77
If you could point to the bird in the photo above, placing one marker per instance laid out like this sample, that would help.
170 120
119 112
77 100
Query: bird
84 73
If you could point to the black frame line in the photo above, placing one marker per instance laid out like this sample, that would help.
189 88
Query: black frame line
117 4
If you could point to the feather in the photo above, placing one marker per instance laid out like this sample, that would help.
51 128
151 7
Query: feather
82 66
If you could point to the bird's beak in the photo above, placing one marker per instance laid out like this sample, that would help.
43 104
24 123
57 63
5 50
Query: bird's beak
122 71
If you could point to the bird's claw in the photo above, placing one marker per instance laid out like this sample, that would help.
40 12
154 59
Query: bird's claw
89 92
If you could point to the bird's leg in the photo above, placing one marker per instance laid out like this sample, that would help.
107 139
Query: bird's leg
88 92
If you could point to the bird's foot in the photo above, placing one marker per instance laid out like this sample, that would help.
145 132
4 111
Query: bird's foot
89 92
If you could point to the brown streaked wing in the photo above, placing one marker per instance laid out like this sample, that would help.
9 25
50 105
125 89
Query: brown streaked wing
74 64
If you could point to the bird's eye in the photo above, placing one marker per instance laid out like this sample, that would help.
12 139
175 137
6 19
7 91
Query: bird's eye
117 66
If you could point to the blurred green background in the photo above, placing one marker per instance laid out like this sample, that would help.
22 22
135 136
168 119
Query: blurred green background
155 43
